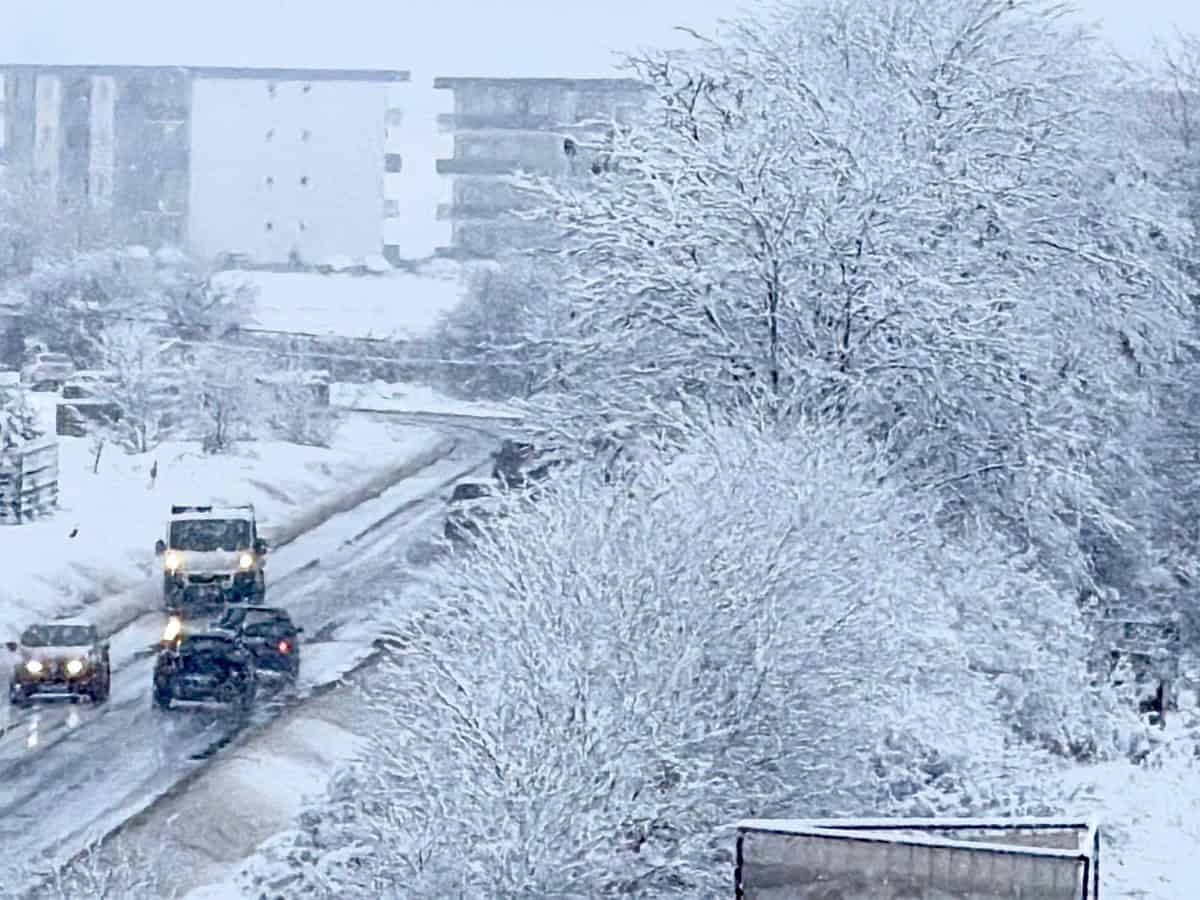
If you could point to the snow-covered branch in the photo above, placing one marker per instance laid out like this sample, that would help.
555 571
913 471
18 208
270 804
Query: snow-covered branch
754 627
915 219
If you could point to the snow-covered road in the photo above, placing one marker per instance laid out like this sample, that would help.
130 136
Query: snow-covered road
71 773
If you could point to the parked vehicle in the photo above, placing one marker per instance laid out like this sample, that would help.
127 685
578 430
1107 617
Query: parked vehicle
470 505
205 667
211 556
60 659
47 371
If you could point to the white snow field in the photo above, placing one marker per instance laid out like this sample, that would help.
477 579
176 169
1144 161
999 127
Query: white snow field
100 542
64 789
379 396
395 305
1150 817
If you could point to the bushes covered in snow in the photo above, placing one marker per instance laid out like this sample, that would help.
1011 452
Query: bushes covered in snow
493 343
18 421
765 625
934 298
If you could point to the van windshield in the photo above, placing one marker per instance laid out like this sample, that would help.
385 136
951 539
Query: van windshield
211 535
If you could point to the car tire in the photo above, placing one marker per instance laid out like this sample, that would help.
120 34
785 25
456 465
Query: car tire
18 699
100 688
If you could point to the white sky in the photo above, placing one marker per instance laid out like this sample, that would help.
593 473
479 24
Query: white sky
428 37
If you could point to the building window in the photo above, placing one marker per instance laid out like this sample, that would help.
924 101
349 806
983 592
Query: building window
307 89
270 181
270 226
305 135
271 88
270 134
303 181
301 226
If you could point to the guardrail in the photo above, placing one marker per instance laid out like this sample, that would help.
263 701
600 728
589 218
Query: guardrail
917 859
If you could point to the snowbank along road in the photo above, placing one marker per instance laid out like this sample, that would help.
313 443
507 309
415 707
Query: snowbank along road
71 774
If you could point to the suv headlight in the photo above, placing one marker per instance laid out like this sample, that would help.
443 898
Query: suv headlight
246 562
34 667
74 666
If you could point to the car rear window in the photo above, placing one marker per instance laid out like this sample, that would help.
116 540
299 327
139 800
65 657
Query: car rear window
205 645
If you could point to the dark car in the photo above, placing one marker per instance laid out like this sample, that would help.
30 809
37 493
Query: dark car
470 504
62 659
268 633
207 667
520 464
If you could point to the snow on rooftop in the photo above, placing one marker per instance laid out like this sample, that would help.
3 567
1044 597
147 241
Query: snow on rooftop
398 305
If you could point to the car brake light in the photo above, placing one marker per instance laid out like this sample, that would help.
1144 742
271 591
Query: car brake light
284 646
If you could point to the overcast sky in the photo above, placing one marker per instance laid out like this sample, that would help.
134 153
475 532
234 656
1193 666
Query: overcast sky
442 37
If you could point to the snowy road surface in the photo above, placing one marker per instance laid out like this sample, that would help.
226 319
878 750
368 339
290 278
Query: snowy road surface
71 773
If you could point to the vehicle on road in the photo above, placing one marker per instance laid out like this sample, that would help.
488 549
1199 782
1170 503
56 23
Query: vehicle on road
205 667
470 505
60 659
211 556
47 371
269 633
520 464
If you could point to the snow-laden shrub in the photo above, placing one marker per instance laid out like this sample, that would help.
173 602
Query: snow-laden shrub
293 411
764 627
18 420
114 870
138 381
223 398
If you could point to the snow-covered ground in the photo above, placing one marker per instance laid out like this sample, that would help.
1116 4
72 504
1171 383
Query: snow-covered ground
101 540
412 398
398 305
1150 818
75 794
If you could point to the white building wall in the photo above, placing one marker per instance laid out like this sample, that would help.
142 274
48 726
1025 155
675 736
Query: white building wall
3 116
47 145
102 141
414 194
283 167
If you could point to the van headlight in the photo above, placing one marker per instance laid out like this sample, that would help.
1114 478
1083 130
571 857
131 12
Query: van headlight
246 562
172 561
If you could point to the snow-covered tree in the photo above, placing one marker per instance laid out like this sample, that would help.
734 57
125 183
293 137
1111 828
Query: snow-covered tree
913 218
139 382
69 301
111 870
201 304
293 410
762 626
36 227
494 341
18 420
223 398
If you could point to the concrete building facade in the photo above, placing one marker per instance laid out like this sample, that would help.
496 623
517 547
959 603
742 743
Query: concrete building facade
284 166
504 125
268 164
